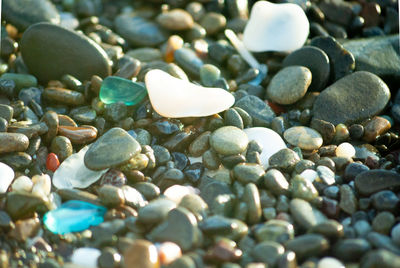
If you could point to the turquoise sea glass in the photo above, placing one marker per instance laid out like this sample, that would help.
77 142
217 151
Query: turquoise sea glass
117 89
74 216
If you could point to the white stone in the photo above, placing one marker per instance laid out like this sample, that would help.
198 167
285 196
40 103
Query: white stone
22 184
176 98
329 262
86 257
6 177
309 174
396 234
268 139
72 173
41 185
177 192
168 252
275 27
345 149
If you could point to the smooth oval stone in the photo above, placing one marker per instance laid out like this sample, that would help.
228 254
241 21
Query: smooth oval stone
351 99
85 257
173 97
45 47
372 181
13 142
289 85
73 216
22 14
275 27
156 211
78 135
21 80
229 140
188 60
116 89
175 20
304 137
259 111
304 214
307 245
139 31
141 253
22 205
315 60
6 177
114 148
64 96
72 173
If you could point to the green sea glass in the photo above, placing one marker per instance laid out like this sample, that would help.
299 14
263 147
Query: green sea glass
117 89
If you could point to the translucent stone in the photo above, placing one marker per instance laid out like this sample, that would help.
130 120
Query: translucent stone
6 177
41 185
268 139
175 98
345 149
116 89
275 27
177 192
85 257
22 184
74 216
73 173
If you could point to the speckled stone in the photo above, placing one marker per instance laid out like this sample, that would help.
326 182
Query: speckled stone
229 140
304 137
289 85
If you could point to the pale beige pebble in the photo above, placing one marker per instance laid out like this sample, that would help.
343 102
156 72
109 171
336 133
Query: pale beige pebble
329 262
168 252
22 184
304 137
345 149
41 185
177 192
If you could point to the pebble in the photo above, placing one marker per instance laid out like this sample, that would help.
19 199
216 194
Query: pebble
62 147
304 137
267 252
78 135
369 92
31 13
289 85
375 127
6 176
229 140
342 61
156 211
22 184
278 35
13 142
351 250
72 173
270 141
276 182
246 173
43 47
383 222
385 200
304 214
85 257
284 159
184 99
117 89
308 245
64 96
175 20
345 149
22 205
114 148
348 201
315 60
213 22
259 111
372 181
139 31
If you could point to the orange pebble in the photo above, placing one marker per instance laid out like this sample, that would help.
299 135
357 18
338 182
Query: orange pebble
52 162
168 252
174 42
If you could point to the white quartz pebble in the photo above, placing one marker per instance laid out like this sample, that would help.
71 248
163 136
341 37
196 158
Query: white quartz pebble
22 184
309 174
72 173
6 177
41 185
86 257
177 192
345 149
329 262
268 139
175 98
275 27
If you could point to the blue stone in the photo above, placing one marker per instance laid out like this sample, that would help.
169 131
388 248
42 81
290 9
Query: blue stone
74 216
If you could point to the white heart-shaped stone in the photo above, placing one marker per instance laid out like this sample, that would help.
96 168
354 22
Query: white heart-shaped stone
275 27
175 98
268 139
72 173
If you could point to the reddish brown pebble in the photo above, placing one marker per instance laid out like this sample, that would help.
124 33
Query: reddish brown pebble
375 127
65 120
52 162
78 135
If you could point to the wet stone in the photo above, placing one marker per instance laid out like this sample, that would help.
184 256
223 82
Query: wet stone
383 222
175 19
115 147
13 142
284 159
289 85
385 200
20 80
213 22
188 60
86 58
268 252
348 201
64 96
372 181
308 245
351 249
369 95
303 137
259 111
78 135
141 253
156 211
228 140
246 173
6 112
304 214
